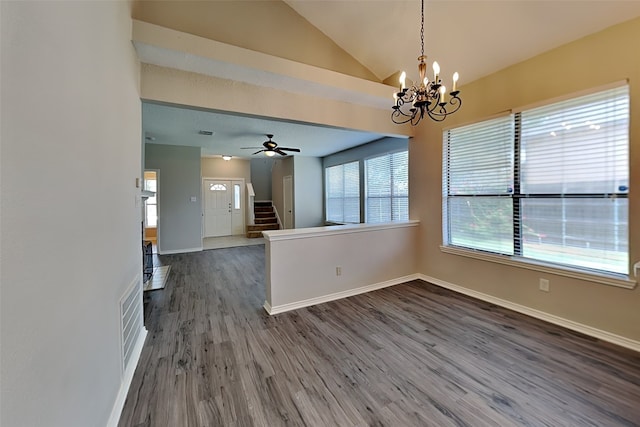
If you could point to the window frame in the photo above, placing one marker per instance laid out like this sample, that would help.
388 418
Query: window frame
392 195
517 259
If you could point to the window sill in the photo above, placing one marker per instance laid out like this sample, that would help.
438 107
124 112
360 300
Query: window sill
619 281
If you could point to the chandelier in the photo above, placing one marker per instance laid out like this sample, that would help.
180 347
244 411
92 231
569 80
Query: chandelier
426 97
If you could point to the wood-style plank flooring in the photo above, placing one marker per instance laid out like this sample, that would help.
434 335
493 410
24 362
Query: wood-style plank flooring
410 355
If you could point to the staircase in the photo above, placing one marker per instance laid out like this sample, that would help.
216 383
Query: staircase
265 219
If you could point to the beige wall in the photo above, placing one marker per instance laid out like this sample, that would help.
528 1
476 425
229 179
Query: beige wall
216 167
172 86
596 60
270 27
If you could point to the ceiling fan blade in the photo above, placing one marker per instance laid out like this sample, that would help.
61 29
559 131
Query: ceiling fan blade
259 151
279 151
297 150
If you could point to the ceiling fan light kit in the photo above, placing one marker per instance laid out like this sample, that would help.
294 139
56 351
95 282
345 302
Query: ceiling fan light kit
426 97
271 148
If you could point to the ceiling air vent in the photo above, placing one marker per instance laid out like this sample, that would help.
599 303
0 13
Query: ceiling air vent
205 132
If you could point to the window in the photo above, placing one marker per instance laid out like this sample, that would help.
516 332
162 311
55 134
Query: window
217 187
342 189
548 184
387 187
151 204
236 196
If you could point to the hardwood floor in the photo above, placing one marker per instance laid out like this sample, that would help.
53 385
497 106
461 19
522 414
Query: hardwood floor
410 355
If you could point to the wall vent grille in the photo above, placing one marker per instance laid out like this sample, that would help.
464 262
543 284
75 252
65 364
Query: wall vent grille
131 320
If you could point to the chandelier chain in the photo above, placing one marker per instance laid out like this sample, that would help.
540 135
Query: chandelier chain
422 30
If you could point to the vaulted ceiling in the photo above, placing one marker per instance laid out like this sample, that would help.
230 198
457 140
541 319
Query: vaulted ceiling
473 37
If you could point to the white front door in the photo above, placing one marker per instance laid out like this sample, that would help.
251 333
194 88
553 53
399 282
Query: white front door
217 208
237 208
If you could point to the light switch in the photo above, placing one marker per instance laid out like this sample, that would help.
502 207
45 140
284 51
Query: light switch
193 198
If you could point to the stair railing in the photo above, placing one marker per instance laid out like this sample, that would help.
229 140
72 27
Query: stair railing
251 195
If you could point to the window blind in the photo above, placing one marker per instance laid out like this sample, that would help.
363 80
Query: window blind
342 189
387 187
549 183
574 167
478 182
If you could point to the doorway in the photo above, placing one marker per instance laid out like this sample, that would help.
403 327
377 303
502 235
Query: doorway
287 199
151 207
223 207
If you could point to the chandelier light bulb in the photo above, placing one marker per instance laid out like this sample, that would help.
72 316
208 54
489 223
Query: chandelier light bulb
443 94
436 71
424 98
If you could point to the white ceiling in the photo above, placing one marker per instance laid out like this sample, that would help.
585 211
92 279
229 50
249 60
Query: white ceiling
180 126
473 37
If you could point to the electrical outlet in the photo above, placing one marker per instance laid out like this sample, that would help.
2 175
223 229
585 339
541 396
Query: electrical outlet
338 271
544 285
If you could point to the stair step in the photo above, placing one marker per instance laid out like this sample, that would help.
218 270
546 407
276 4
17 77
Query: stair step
266 220
262 204
263 209
262 227
254 234
263 214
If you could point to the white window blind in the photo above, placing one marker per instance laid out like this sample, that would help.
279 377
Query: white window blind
555 190
342 189
574 167
387 187
478 183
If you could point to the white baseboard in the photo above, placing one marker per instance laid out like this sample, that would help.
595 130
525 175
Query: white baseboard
338 295
179 251
565 323
267 307
127 377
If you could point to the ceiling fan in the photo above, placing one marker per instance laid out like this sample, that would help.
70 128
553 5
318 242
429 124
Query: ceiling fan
271 148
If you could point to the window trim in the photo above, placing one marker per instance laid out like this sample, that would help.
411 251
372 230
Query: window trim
596 276
619 280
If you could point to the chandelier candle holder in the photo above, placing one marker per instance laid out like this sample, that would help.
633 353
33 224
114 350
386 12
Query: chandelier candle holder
427 97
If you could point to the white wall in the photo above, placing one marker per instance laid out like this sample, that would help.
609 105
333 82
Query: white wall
261 177
301 263
180 218
372 149
307 188
71 226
